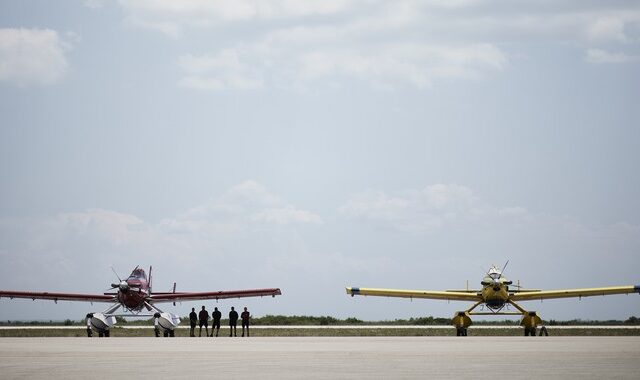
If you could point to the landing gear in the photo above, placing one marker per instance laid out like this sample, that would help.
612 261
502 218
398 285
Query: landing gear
530 321
461 321
103 333
461 332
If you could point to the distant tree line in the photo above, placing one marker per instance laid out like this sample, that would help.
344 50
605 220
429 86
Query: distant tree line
305 320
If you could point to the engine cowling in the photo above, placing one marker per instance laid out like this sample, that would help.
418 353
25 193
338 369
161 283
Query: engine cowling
102 322
168 321
461 320
530 319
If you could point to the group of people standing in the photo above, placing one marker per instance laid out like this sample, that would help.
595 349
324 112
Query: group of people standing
202 319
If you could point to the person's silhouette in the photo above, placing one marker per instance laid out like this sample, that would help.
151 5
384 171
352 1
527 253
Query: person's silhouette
203 317
193 321
245 320
233 322
216 315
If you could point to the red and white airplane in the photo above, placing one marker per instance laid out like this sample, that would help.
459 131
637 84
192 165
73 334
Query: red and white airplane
133 295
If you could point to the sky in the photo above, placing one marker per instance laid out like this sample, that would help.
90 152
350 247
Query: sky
313 145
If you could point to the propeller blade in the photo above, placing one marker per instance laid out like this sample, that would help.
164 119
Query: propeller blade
503 268
116 273
134 269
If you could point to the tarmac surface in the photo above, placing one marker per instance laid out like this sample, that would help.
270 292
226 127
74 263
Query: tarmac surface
321 357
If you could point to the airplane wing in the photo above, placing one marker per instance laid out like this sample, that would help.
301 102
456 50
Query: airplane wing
58 296
182 296
429 294
574 293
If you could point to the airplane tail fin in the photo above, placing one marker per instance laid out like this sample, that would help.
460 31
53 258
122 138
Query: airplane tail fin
150 283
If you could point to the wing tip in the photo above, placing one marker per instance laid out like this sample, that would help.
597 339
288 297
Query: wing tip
353 291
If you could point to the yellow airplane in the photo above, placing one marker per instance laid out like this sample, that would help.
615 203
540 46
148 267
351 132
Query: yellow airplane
495 294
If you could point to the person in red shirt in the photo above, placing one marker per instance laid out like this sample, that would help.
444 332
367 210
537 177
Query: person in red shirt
245 320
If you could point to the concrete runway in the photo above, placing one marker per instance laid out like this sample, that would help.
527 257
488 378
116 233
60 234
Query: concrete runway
326 358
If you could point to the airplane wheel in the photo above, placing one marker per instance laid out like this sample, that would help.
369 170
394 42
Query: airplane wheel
106 334
533 331
172 333
458 332
464 332
526 331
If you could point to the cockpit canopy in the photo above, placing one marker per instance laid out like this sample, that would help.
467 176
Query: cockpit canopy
138 274
494 276
494 273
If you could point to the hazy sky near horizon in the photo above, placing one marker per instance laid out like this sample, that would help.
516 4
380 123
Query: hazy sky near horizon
313 145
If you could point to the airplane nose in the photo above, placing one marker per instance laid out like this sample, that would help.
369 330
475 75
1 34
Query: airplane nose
123 286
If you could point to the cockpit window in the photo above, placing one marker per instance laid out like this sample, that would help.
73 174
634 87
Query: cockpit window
138 274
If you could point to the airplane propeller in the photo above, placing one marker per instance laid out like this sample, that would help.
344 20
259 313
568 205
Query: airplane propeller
503 268
122 285
116 273
496 282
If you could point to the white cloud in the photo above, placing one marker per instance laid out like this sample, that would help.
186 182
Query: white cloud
414 64
237 211
607 29
94 4
32 56
301 44
603 56
297 54
205 13
429 209
116 227
217 72
286 215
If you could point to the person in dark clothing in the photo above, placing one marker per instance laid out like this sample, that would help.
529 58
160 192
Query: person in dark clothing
216 315
233 322
89 330
156 324
193 320
245 320
204 320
